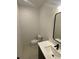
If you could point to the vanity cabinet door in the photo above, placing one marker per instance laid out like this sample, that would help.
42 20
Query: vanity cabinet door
40 54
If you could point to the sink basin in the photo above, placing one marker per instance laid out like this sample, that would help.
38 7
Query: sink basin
49 50
53 52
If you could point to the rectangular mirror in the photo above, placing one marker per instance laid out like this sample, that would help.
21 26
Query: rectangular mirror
57 27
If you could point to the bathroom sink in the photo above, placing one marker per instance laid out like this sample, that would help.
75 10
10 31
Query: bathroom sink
53 52
49 50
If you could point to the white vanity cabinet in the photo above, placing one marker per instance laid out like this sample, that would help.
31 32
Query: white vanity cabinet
49 50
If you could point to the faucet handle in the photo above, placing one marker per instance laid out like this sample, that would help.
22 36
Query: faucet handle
57 46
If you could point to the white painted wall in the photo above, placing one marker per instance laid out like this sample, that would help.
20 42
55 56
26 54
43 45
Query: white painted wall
19 40
29 19
29 23
34 21
47 13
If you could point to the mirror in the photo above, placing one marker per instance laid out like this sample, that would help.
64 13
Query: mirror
57 27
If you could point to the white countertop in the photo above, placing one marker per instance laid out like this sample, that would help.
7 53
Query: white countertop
46 49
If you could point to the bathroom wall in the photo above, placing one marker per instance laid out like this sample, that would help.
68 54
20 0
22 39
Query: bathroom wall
29 20
33 21
47 13
19 40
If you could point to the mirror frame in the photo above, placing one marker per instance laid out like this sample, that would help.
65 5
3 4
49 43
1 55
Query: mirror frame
54 26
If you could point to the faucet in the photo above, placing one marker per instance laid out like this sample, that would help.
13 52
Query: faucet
57 46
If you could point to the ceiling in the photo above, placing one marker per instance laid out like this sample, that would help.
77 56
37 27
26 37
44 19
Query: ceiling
37 3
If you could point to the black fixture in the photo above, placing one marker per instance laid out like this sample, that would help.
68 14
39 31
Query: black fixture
57 46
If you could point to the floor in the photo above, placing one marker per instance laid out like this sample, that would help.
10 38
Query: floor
30 52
